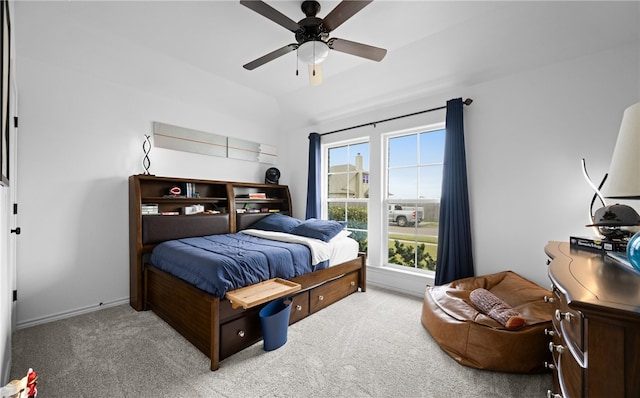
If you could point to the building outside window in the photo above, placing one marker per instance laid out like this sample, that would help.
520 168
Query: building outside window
414 183
347 188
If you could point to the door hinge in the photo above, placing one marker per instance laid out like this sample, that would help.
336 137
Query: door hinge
15 295
15 121
15 208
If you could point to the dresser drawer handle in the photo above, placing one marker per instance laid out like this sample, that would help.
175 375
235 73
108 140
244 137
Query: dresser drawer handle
240 333
353 283
550 394
548 299
556 347
560 316
298 307
549 365
320 298
549 332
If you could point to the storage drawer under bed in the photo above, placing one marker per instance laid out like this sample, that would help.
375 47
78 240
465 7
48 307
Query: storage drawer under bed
330 292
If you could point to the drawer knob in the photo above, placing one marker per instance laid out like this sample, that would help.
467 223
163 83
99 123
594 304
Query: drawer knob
240 333
549 332
320 298
548 299
549 365
556 347
563 315
550 394
298 307
353 283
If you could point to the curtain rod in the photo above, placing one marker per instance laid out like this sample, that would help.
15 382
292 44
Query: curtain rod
468 101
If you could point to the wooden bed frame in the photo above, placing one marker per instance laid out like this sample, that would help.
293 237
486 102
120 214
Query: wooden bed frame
209 322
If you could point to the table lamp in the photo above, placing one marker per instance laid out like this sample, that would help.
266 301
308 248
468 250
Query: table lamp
623 181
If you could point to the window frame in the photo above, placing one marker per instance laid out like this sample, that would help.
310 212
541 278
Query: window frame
385 197
325 201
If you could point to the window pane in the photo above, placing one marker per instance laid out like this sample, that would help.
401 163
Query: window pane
337 186
337 156
432 147
402 151
348 171
361 151
403 183
357 216
430 182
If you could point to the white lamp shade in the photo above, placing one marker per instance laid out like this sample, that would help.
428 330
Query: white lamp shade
623 181
313 52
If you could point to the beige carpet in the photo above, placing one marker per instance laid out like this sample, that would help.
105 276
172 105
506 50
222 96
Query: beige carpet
368 345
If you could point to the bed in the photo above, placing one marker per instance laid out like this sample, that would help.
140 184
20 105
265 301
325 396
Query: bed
200 312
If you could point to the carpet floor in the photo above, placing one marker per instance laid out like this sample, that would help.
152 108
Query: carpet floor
367 345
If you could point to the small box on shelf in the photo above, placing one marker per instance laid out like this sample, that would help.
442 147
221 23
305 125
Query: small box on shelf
149 208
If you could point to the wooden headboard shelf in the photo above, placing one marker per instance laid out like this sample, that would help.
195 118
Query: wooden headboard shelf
222 202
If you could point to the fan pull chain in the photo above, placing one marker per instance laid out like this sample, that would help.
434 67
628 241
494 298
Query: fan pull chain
314 58
297 60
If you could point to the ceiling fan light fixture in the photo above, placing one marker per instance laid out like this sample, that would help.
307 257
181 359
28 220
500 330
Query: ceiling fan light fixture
313 52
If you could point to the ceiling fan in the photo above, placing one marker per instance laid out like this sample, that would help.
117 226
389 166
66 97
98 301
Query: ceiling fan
312 35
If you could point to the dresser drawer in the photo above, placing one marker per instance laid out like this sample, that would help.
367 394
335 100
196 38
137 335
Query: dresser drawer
568 371
329 293
569 323
240 333
299 307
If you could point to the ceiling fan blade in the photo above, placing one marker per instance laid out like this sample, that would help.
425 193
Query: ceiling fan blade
271 13
270 57
343 11
359 49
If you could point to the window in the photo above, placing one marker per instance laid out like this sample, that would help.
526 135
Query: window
414 184
347 189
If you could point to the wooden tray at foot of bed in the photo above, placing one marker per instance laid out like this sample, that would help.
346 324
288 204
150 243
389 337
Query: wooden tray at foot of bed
218 330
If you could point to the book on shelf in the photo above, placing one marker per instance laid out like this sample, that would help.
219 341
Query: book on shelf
149 208
596 244
257 195
189 190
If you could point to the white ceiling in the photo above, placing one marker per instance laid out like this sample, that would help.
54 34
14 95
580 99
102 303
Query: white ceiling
432 45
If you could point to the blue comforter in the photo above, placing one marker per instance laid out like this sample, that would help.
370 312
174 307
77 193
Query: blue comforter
220 263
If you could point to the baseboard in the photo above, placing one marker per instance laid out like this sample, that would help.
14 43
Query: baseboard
401 281
70 313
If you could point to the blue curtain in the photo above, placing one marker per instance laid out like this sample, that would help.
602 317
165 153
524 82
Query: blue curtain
455 258
313 181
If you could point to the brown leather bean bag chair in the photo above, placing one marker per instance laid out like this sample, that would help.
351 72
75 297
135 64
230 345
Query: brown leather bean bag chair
475 339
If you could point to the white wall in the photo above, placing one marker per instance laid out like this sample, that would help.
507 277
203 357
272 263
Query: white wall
83 115
81 135
525 136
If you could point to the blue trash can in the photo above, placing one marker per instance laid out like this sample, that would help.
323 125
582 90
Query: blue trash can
274 318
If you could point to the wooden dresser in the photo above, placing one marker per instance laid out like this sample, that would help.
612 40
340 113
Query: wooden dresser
596 327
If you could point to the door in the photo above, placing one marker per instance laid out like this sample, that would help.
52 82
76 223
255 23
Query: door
8 235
